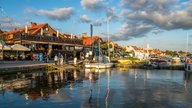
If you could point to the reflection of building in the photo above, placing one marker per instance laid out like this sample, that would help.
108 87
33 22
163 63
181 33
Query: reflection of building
39 84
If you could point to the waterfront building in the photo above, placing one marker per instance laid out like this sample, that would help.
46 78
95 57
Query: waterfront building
42 38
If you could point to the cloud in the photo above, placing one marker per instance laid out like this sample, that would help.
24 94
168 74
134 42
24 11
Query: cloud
6 24
143 16
130 31
173 20
111 15
156 31
60 14
85 19
151 5
97 23
93 5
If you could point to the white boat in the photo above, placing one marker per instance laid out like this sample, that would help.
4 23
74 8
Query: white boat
105 60
99 65
176 59
188 67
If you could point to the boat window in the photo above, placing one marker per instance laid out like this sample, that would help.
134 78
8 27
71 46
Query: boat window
189 68
185 66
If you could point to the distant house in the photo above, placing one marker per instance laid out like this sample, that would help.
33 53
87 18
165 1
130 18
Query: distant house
91 43
137 52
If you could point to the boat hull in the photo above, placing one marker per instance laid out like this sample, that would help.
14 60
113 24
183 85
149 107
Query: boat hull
125 61
188 67
99 65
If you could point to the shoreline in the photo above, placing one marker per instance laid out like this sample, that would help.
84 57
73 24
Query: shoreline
10 67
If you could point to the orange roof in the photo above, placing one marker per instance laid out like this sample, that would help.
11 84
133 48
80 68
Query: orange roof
89 41
36 28
32 30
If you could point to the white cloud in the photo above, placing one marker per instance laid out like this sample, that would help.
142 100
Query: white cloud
93 5
158 14
111 14
6 24
60 14
97 23
85 19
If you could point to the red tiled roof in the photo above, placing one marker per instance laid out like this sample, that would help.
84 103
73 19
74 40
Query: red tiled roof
36 28
89 41
32 30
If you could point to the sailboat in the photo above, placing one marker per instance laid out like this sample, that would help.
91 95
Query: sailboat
102 65
188 64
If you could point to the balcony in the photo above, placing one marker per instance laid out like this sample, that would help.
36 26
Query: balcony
47 39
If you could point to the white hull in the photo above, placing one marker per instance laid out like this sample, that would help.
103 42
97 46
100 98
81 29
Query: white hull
99 65
188 67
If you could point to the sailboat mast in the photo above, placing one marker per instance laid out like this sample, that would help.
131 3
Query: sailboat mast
187 44
108 37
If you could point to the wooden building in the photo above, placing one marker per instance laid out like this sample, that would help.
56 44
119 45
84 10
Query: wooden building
42 38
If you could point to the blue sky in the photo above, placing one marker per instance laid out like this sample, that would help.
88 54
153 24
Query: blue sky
163 24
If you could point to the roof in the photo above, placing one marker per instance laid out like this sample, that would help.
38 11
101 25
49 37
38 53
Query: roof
32 30
89 40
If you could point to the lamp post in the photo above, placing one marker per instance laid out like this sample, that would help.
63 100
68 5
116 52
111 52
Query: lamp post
21 38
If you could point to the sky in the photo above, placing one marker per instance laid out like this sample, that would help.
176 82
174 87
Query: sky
160 24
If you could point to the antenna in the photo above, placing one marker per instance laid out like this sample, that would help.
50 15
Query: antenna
108 36
187 44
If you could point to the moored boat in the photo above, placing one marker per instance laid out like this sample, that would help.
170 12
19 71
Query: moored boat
188 66
99 65
125 61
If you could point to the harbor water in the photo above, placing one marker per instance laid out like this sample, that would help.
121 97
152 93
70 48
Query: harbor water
90 88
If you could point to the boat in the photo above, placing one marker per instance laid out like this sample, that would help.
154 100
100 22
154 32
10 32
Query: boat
99 65
105 59
176 60
125 61
188 66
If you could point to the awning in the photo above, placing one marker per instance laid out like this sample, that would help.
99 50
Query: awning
18 47
5 48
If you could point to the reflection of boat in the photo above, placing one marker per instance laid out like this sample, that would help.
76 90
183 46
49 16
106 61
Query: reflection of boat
122 68
99 65
102 70
125 61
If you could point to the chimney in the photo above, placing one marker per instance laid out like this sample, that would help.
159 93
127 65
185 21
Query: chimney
14 29
57 33
41 31
33 24
26 29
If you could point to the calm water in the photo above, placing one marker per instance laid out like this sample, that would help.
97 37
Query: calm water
112 88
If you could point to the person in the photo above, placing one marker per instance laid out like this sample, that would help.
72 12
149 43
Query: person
59 57
94 58
81 56
66 59
55 59
61 60
75 60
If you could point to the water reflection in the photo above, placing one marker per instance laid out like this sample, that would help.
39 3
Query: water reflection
187 80
38 84
97 88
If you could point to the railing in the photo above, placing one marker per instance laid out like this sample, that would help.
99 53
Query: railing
47 39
